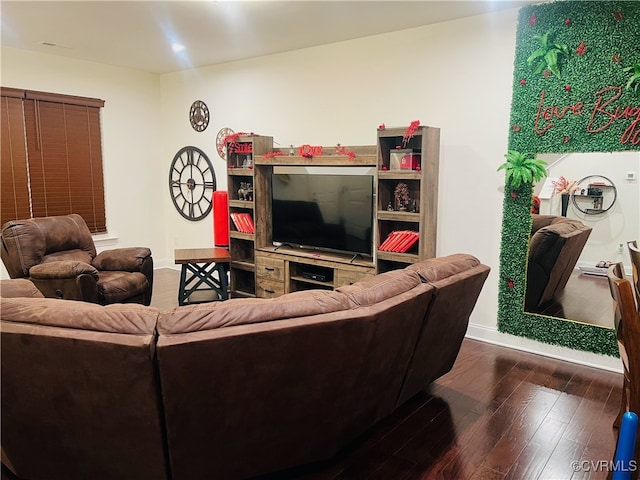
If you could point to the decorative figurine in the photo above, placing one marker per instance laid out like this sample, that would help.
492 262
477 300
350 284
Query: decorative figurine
245 192
401 194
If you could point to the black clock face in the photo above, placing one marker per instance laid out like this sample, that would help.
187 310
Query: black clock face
192 182
199 115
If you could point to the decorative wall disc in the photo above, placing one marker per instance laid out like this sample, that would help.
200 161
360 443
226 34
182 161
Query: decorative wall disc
222 148
199 115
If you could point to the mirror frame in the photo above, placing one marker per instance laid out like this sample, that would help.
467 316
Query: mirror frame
565 108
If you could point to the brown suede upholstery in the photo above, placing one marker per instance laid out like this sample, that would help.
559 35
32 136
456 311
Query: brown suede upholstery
19 287
59 256
224 390
79 391
307 386
458 280
554 248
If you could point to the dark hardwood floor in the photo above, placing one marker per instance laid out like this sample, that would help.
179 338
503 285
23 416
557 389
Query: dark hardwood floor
586 298
499 414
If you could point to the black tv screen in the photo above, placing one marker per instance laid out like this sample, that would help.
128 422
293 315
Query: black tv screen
323 211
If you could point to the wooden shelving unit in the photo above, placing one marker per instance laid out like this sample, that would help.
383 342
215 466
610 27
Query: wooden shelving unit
242 199
420 215
260 269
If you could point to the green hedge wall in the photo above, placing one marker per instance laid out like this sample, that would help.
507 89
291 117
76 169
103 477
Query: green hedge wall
585 98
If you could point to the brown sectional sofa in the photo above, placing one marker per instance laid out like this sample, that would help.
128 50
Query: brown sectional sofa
555 246
223 390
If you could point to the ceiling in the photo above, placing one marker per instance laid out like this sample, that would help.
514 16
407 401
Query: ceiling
139 34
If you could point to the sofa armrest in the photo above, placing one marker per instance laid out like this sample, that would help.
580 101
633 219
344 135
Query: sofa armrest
68 279
122 259
18 287
61 270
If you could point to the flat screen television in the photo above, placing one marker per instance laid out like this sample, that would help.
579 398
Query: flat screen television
323 211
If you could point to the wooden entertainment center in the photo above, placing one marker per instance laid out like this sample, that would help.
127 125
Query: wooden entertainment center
261 269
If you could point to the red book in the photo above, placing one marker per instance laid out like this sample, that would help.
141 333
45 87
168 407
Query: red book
384 245
402 234
408 243
236 221
248 221
243 221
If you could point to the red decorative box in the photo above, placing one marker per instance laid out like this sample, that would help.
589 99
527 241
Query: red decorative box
404 159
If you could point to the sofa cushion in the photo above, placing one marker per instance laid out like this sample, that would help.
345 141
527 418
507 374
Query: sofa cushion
75 255
117 318
120 286
62 269
19 287
434 269
242 311
546 237
381 287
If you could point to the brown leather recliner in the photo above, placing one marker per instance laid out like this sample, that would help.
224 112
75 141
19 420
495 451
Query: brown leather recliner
59 256
554 248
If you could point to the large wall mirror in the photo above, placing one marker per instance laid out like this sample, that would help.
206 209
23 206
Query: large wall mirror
578 109
606 200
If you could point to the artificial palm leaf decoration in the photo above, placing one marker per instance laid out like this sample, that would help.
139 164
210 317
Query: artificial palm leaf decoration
522 168
635 76
547 55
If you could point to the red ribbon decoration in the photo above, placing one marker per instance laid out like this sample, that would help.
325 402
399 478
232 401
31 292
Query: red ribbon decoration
409 132
340 150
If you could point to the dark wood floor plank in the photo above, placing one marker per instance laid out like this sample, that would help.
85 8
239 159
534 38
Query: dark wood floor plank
559 465
509 448
537 452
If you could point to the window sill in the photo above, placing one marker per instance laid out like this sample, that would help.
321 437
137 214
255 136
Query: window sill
105 240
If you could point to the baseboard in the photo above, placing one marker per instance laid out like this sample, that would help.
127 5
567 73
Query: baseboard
165 263
492 335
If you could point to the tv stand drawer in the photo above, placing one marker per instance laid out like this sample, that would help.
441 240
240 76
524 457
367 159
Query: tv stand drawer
269 288
269 267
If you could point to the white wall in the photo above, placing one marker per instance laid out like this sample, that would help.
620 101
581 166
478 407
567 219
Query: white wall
455 75
131 137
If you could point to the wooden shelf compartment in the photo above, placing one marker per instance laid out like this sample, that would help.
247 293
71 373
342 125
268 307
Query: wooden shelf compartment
242 283
248 147
386 189
298 270
238 182
242 250
394 261
390 139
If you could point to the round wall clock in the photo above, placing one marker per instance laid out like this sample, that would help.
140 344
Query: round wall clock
192 182
199 115
222 148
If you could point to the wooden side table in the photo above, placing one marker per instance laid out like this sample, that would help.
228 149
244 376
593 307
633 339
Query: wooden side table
203 277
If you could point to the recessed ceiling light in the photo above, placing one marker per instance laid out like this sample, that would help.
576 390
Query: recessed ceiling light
177 47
